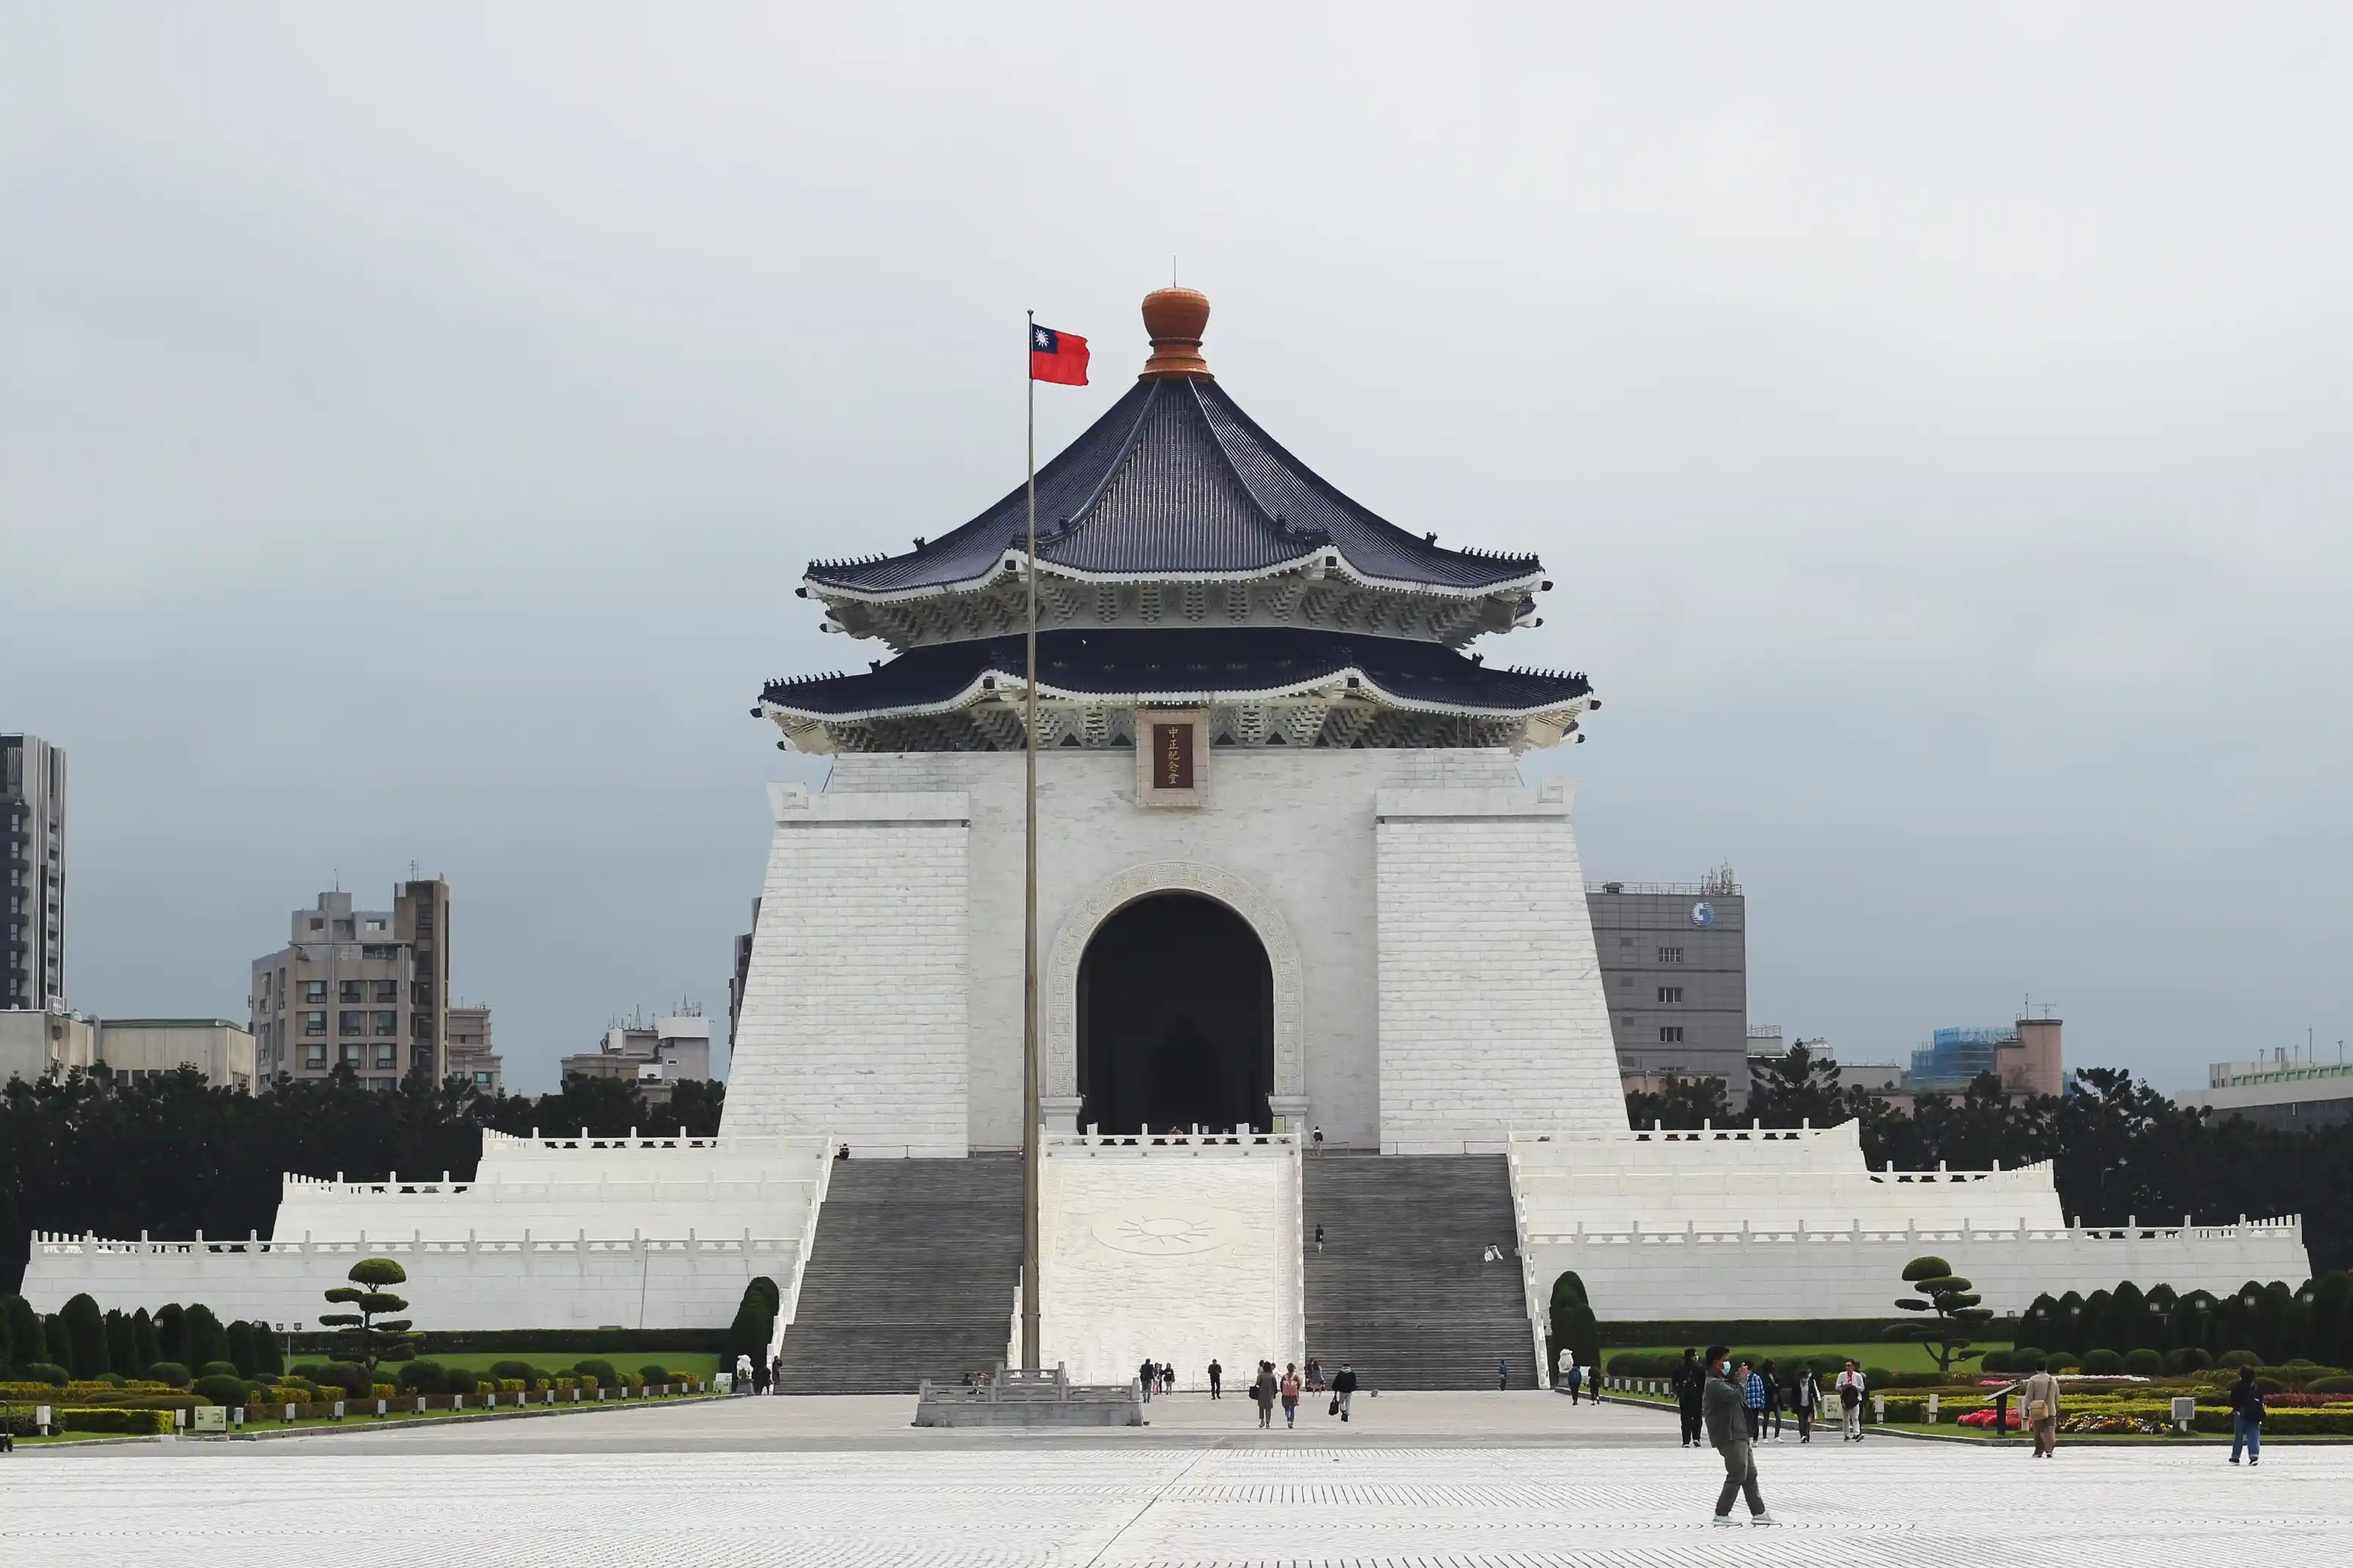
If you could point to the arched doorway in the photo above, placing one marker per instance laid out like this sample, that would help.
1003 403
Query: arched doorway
1175 1015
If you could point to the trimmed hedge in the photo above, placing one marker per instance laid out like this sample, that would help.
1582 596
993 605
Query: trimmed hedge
1699 1332
548 1342
114 1420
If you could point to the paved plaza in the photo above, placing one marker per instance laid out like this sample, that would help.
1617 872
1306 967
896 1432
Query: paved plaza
807 1482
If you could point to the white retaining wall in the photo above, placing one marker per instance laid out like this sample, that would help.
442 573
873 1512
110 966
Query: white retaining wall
1735 1223
1172 1249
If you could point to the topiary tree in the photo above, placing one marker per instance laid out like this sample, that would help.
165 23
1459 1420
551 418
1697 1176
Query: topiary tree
144 1350
85 1345
171 1333
1955 1304
268 1351
2103 1362
364 1336
206 1339
755 1322
169 1372
1574 1326
2145 1362
122 1355
26 1344
240 1347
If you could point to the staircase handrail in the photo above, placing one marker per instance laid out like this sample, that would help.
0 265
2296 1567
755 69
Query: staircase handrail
1536 1309
789 1307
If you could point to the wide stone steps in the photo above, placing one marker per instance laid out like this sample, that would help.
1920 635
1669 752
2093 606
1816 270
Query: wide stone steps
1399 1291
912 1276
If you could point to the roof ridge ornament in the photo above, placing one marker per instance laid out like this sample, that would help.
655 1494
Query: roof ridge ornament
1174 319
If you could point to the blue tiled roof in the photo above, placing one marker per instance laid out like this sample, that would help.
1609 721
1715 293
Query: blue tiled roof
1222 662
1175 479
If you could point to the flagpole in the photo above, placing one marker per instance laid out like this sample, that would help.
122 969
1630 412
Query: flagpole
1032 1150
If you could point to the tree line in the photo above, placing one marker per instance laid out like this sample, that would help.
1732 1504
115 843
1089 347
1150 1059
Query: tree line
82 1343
172 1156
2119 1149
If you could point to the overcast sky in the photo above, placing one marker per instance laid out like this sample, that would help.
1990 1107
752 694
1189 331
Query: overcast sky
413 425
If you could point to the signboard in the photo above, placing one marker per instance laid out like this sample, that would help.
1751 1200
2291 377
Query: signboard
210 1418
1172 756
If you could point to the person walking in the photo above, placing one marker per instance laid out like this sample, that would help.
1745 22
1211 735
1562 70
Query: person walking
1851 1387
1577 1383
1772 1399
1316 1139
1147 1374
2038 1401
1722 1406
1343 1387
2246 1417
1319 1239
1262 1389
1806 1397
1689 1383
1314 1376
1168 1377
1290 1394
1752 1400
1216 1379
1503 1374
1561 1367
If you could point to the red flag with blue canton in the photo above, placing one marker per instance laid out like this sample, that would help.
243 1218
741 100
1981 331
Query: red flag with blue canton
1058 357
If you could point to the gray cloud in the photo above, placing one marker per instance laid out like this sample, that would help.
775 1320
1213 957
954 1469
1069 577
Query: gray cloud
414 423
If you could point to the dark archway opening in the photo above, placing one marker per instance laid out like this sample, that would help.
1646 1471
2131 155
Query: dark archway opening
1176 1019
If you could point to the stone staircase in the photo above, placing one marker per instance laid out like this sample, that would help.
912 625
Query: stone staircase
1400 1289
912 1276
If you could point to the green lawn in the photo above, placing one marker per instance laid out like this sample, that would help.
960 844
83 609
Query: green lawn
1894 1355
694 1363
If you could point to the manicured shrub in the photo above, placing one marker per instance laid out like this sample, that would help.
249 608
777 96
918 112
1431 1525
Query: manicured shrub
219 1369
122 1354
85 1345
382 1391
2331 1386
2023 1358
654 1372
171 1333
2187 1360
2238 1359
240 1347
46 1371
2144 1362
221 1388
169 1372
2267 1386
2103 1362
425 1377
2062 1362
1877 1377
132 1423
462 1380
1996 1360
602 1370
506 1370
206 1340
144 1350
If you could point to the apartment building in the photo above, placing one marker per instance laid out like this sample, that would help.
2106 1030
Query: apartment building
471 1057
32 874
1674 967
658 1055
365 989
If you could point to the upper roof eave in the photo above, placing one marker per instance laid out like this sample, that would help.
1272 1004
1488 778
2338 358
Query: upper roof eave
1009 562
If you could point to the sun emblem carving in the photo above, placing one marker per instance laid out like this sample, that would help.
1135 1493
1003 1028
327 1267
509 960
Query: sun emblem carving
1158 1233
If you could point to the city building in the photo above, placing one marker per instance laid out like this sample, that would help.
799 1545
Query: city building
2025 1056
365 989
137 1048
32 873
1292 889
2281 1091
1674 967
40 1042
1879 1078
471 1056
656 1055
735 979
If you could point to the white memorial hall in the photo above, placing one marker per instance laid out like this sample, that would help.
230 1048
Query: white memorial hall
1290 877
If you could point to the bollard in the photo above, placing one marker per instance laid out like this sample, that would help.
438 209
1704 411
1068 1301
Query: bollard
1932 1410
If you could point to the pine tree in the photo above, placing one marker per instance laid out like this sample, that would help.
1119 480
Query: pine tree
1953 1300
122 1355
25 1343
171 1333
145 1352
240 1347
207 1341
360 1337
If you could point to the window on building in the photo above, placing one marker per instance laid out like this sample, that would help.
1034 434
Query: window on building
421 1025
379 949
351 1023
349 1055
1671 955
375 926
314 1056
351 991
388 991
314 991
482 1079
314 1023
318 924
421 1057
383 1024
1624 981
387 1057
1670 1034
1671 994
1625 942
344 929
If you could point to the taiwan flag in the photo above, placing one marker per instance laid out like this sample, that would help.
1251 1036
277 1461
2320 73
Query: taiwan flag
1058 357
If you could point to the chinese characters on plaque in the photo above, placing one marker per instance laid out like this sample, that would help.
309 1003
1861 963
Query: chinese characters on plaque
1172 757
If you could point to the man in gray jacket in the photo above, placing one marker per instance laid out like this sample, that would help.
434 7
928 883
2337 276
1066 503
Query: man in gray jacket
1723 1408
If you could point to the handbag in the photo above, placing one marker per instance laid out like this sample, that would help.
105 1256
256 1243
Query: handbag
1336 1407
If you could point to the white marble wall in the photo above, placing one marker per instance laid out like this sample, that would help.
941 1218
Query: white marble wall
1170 1252
1491 1013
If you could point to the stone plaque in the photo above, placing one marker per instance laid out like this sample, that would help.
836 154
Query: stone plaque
1172 756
